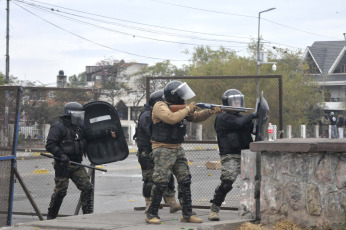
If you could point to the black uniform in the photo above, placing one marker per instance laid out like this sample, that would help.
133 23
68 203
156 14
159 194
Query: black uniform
233 134
66 139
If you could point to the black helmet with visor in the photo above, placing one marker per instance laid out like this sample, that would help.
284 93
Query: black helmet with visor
233 97
176 92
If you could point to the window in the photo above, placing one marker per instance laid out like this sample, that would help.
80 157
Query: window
343 68
51 95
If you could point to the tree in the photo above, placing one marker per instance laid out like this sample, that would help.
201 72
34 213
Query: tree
77 81
300 93
110 74
160 69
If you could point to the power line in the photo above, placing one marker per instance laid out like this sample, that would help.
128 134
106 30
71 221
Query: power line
240 15
96 43
129 34
200 9
139 23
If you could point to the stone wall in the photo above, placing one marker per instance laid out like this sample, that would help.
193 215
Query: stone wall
303 180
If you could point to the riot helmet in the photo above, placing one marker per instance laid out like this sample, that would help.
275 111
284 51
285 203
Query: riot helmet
155 97
176 92
75 111
233 97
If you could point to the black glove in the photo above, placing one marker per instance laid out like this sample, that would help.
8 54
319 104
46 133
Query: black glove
64 158
255 115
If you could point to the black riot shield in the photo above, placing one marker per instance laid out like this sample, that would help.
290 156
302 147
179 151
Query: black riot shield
262 108
101 148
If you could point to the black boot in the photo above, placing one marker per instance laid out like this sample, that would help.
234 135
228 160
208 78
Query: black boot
55 204
187 214
186 196
87 198
156 198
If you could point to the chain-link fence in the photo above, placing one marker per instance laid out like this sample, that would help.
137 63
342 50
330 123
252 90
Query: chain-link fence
9 105
42 106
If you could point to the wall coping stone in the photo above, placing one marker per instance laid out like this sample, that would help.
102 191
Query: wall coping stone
303 145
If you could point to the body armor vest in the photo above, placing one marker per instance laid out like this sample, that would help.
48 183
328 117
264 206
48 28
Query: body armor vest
73 143
142 139
173 134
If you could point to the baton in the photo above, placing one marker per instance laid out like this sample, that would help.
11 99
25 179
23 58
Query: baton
74 163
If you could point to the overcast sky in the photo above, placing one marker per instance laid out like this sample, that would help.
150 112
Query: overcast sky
48 36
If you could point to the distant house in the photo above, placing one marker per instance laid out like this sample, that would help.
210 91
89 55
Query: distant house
327 61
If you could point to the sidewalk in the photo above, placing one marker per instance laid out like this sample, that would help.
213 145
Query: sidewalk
131 219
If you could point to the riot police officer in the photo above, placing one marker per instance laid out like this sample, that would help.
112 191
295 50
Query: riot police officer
66 142
233 134
145 159
168 131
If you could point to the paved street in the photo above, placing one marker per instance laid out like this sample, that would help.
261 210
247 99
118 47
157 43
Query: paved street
120 188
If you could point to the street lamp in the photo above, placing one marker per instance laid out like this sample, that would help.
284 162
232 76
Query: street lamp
258 48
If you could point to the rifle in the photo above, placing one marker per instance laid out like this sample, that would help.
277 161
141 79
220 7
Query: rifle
175 108
74 163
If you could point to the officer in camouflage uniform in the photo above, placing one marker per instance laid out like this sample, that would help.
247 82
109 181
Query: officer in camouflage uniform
168 131
66 141
144 154
233 134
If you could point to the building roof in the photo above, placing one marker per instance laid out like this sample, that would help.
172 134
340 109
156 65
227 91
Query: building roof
326 53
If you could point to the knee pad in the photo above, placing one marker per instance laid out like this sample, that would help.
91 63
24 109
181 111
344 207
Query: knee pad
147 186
61 193
186 182
161 187
226 185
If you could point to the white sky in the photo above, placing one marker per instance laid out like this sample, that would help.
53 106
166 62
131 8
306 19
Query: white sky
42 42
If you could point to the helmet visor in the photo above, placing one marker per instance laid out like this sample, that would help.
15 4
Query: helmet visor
236 100
184 91
77 117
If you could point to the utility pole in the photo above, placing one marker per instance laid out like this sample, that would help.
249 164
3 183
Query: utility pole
8 43
7 76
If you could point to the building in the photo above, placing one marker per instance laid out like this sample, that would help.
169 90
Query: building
128 102
327 62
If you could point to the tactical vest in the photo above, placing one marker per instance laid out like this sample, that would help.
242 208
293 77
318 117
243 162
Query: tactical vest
73 143
173 134
142 139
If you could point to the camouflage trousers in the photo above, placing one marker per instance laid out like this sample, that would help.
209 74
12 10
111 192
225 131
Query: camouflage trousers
230 166
147 177
79 176
168 161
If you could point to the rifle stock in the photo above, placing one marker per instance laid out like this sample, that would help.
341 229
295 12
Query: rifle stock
175 108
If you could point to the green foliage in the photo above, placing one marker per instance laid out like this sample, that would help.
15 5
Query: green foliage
300 94
77 81
160 69
43 113
111 73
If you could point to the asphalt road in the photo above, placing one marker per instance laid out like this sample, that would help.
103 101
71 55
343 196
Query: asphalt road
120 188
